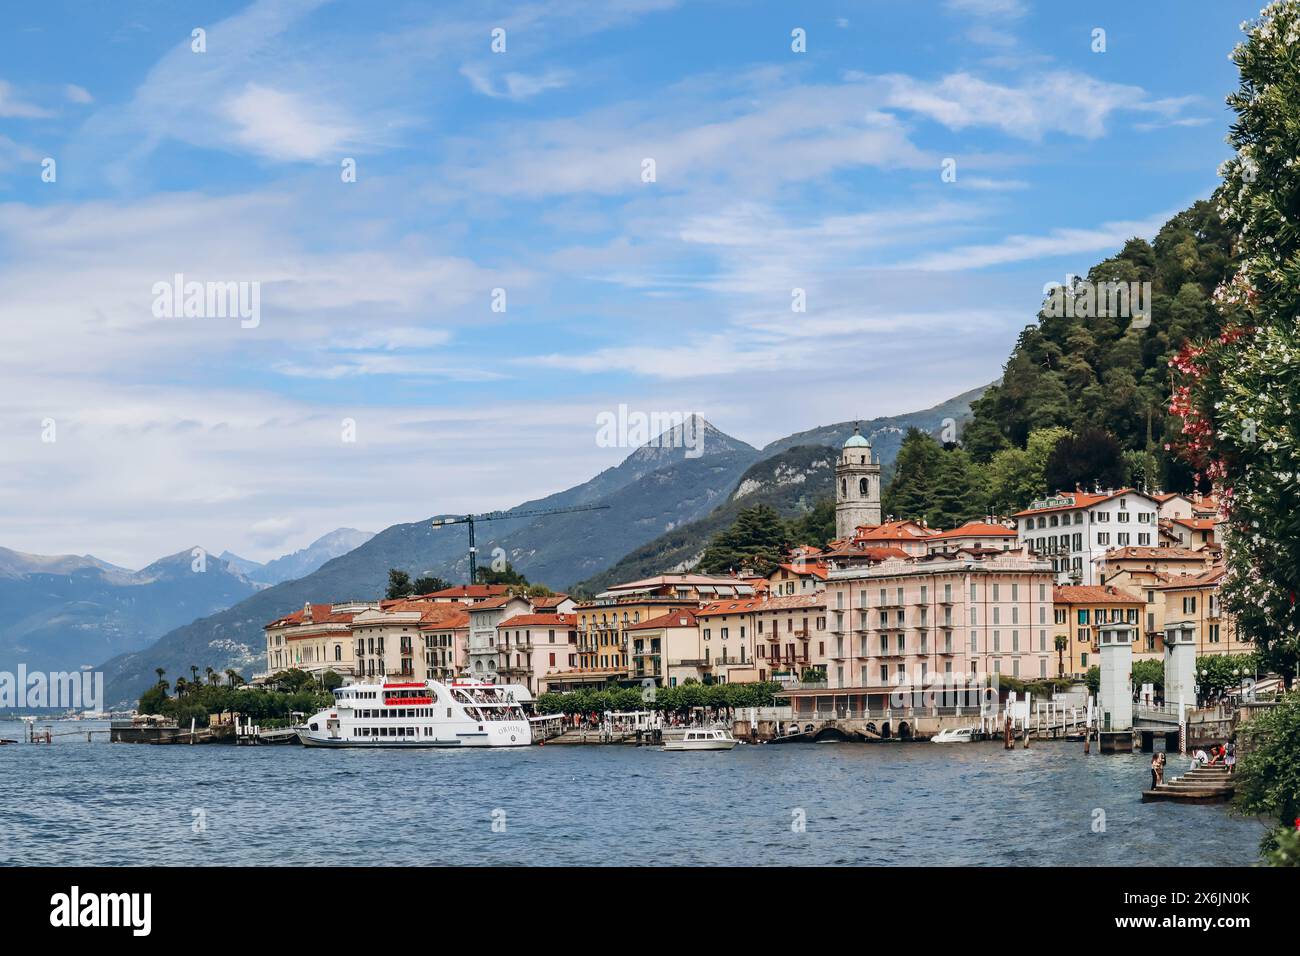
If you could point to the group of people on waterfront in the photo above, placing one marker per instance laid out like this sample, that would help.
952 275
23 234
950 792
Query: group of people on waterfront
1225 754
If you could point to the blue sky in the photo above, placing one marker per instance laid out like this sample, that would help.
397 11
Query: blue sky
522 170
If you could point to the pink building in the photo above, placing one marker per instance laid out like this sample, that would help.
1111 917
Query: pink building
533 647
916 620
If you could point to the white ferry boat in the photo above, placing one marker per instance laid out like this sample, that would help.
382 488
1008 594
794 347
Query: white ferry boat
704 739
463 713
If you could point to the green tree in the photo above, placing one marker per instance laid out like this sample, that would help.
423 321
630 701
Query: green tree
758 539
815 527
1216 673
399 585
916 475
1237 389
507 575
1083 458
1149 672
1268 775
153 699
1018 476
428 584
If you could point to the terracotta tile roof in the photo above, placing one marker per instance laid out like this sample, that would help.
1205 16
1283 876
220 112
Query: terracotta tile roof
895 531
540 620
871 554
549 600
737 606
1081 499
493 603
320 614
981 529
450 619
1209 578
815 570
1196 524
671 619
1092 594
477 591
1132 553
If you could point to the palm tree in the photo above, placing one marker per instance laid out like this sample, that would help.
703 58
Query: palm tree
159 671
182 686
212 675
233 677
194 673
1061 641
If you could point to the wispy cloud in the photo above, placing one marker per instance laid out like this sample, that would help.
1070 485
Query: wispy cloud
514 86
1106 238
14 107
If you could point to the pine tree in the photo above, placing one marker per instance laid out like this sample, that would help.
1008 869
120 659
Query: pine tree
910 494
758 540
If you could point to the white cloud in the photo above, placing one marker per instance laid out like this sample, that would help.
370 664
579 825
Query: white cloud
283 126
12 107
1059 102
77 94
514 86
1106 238
988 8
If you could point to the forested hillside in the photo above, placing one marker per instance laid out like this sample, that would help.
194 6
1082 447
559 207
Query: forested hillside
1106 372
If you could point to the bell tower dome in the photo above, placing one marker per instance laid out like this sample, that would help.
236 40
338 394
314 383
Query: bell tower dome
857 486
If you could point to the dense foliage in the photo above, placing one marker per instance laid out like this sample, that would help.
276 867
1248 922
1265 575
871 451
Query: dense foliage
667 699
1237 388
1268 774
757 540
285 693
1110 372
934 483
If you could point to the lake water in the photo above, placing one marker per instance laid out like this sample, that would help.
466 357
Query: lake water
875 804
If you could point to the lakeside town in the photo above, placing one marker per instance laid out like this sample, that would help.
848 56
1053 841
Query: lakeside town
1023 598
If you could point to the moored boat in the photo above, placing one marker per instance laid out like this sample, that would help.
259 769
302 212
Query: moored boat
958 735
461 713
703 739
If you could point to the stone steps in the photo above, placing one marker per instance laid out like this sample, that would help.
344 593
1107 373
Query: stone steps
1197 785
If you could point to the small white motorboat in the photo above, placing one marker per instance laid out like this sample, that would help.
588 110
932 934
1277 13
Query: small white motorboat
702 740
960 735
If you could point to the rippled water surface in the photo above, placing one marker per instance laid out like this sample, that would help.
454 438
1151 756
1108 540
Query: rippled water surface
922 804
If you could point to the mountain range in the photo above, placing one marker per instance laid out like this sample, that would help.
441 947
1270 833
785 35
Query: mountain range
655 492
67 612
303 561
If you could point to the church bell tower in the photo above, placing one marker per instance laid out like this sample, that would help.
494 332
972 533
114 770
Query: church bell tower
857 486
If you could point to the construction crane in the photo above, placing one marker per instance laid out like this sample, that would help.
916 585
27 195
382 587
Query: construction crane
498 516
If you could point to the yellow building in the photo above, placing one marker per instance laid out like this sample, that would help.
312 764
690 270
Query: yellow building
1144 571
726 648
604 652
316 639
1194 599
1079 610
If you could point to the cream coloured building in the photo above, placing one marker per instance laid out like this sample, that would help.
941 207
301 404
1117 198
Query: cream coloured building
316 639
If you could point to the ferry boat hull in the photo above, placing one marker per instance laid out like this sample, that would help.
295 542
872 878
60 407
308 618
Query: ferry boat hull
419 715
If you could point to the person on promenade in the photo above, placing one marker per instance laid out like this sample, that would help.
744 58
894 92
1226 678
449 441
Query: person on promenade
1155 770
1230 757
